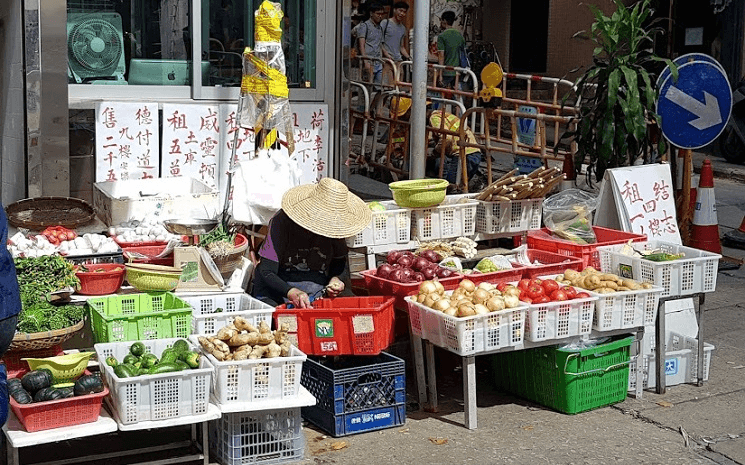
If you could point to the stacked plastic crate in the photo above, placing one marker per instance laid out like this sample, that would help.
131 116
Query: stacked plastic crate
260 399
357 387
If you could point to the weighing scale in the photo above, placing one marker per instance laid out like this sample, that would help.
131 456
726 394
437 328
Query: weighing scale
199 270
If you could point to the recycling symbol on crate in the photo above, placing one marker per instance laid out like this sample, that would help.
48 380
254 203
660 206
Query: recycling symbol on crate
671 366
324 328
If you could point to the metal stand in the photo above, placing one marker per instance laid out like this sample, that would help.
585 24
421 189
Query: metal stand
661 340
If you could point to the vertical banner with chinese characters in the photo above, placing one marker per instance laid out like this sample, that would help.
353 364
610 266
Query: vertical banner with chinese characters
191 142
127 142
311 133
642 201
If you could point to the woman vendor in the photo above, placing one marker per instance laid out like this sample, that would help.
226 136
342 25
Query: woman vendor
10 307
305 251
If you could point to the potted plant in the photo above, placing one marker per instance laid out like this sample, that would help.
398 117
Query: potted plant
616 94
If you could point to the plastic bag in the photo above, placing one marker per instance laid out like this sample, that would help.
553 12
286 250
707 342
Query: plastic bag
568 215
452 263
260 183
493 263
264 100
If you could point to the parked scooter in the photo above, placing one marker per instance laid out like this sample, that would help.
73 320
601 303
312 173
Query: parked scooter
731 143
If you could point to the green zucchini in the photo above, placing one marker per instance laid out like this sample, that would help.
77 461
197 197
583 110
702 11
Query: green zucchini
182 365
164 367
137 349
148 360
168 356
192 359
112 361
125 370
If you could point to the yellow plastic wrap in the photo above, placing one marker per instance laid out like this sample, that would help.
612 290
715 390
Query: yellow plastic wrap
264 102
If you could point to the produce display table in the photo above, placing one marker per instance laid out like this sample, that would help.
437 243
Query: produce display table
469 371
107 423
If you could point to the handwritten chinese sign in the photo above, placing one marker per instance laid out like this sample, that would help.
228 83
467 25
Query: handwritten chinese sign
191 142
127 141
644 201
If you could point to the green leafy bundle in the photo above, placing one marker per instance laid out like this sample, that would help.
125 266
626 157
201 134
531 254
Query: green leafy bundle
617 94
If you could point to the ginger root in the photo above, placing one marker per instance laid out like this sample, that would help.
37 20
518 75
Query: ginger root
242 324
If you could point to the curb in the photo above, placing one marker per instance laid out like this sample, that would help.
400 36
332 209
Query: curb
725 173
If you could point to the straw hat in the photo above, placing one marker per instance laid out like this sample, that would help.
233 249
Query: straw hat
327 209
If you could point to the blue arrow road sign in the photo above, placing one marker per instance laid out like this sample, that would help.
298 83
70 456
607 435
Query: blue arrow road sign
687 58
695 108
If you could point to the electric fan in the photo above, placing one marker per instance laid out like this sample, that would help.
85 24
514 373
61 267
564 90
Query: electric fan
95 48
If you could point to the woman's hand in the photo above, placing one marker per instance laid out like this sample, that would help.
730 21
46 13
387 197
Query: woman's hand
334 287
299 298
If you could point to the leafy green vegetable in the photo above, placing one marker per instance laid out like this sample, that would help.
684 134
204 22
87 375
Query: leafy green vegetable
44 316
217 235
38 276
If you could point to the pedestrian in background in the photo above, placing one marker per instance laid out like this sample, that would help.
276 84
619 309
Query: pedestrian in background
369 36
449 44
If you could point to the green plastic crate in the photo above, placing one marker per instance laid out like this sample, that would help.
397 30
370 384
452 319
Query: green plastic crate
134 317
567 380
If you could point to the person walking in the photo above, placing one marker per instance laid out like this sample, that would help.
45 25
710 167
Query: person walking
449 44
395 34
369 36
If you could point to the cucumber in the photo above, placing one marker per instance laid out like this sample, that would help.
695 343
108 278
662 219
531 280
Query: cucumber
131 359
164 367
138 349
168 356
112 361
182 365
125 370
192 359
149 360
181 345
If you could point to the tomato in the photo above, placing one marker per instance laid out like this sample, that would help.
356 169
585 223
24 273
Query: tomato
571 292
541 300
558 295
523 284
72 235
549 286
526 299
502 286
62 237
534 291
582 295
535 282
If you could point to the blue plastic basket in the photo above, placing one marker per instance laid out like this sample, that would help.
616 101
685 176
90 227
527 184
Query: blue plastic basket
355 394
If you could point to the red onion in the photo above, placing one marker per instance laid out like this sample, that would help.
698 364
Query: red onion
383 271
397 275
405 261
443 272
418 277
420 263
393 257
429 273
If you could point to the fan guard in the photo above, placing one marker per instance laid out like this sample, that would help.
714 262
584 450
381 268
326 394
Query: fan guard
95 44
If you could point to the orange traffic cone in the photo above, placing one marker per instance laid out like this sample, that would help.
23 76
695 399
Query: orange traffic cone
705 226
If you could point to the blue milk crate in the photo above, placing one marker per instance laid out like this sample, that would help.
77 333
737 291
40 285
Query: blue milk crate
355 394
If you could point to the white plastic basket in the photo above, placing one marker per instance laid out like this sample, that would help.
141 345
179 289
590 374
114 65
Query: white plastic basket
266 437
392 226
455 216
509 216
695 272
207 319
681 363
626 309
557 320
238 381
468 335
154 397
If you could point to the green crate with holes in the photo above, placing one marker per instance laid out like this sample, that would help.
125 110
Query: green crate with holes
565 379
135 317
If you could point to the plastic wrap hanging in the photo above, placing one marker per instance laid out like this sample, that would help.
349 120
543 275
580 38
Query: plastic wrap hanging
264 104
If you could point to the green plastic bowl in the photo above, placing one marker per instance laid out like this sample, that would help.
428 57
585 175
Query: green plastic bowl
419 193
151 278
65 368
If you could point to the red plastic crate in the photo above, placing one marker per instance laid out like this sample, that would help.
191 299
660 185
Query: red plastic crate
495 277
387 287
101 278
552 263
341 326
543 240
124 244
15 366
39 416
151 251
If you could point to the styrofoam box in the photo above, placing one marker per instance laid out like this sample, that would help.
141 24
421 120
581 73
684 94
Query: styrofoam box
266 437
695 272
681 363
254 380
392 226
557 320
509 216
626 309
468 335
154 397
120 201
455 216
210 312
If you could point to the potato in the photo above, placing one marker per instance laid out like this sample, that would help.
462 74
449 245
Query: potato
630 283
604 290
610 284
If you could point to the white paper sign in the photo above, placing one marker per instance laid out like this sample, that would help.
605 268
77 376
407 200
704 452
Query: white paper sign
191 142
127 142
639 199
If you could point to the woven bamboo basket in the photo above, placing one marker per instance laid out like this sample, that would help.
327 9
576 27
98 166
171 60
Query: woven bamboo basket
44 339
228 264
40 212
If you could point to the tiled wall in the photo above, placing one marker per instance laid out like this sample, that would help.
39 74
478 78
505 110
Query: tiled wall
12 130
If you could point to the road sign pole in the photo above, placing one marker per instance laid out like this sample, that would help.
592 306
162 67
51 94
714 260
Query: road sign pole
685 212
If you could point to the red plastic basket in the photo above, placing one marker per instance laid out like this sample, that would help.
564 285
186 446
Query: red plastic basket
124 244
543 240
341 326
101 278
495 277
551 263
15 366
380 286
52 414
151 251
